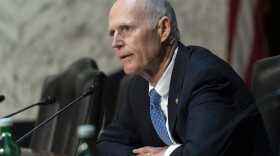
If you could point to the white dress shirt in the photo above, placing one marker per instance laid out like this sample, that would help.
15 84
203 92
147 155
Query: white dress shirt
162 88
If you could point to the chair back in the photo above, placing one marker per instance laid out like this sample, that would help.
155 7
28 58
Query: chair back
59 135
266 79
122 93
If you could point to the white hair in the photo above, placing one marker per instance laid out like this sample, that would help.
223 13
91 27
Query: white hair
155 9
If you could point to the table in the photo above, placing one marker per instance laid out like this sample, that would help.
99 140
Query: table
30 152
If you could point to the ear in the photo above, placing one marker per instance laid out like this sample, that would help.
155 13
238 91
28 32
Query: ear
164 28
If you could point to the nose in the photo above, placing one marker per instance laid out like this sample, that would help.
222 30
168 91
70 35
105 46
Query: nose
117 41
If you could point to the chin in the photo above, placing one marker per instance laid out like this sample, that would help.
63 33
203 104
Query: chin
130 71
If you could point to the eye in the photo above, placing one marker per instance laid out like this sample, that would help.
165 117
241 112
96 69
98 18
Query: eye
126 28
111 33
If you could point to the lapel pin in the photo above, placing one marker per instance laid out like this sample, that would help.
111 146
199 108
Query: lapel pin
177 101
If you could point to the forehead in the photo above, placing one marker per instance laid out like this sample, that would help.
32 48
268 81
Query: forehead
127 10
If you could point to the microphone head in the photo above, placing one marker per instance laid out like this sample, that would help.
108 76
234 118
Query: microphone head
48 100
91 89
2 97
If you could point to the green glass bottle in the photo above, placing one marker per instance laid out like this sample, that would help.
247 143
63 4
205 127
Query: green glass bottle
8 147
86 145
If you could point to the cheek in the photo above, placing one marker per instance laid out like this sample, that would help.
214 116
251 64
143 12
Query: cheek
144 49
150 52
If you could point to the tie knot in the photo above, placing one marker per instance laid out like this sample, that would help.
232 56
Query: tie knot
155 97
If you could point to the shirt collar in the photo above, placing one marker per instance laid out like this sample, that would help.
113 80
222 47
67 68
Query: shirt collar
162 86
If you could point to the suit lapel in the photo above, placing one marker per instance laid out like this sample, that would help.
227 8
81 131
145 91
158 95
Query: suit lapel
176 83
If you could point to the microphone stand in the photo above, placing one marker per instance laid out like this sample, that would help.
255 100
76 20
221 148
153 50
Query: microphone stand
90 91
21 110
46 101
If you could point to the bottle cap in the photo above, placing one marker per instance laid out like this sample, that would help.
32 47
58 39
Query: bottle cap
5 122
85 131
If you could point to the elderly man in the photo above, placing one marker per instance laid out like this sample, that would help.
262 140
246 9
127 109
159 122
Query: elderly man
180 95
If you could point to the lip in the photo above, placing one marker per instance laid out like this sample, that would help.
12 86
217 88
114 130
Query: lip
125 56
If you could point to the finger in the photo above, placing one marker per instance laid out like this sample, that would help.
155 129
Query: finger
143 149
144 154
138 151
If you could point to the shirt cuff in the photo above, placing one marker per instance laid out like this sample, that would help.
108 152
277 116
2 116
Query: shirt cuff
170 149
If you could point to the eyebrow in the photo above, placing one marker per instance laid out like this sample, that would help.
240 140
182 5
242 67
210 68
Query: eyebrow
119 26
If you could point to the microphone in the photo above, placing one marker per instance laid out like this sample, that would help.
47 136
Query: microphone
89 91
2 98
212 139
46 101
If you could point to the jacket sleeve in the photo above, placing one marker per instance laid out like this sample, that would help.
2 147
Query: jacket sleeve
121 136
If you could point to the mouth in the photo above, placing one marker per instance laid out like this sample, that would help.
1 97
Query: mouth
125 57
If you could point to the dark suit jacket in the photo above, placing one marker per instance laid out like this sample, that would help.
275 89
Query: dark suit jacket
210 95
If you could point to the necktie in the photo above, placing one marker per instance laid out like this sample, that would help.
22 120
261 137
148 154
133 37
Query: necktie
157 117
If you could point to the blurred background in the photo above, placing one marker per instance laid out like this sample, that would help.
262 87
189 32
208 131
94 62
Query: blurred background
42 37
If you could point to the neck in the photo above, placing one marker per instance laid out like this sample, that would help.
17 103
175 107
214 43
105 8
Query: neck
153 76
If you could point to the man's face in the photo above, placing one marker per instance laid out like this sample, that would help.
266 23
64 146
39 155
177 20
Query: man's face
135 41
